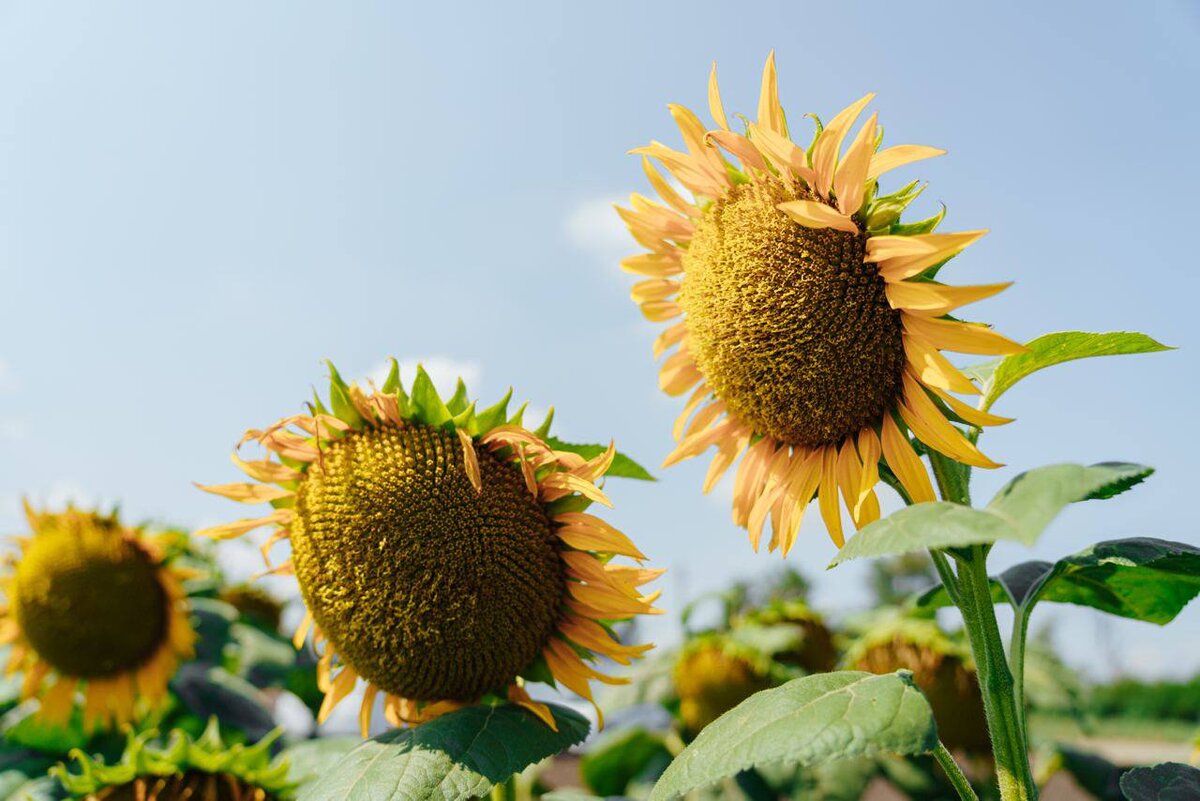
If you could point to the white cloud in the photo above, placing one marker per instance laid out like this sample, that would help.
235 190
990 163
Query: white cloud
444 371
593 225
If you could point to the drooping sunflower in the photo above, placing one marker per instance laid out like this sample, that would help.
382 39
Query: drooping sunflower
92 609
807 322
712 676
443 552
185 769
942 667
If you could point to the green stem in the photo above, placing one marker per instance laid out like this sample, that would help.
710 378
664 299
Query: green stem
995 679
1016 661
954 773
949 580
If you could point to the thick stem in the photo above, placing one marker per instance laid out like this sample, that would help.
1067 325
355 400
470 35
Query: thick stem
949 580
995 679
954 773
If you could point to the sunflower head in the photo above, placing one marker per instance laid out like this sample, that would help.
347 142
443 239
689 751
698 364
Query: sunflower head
816 651
443 551
941 667
92 609
184 769
808 324
712 676
256 604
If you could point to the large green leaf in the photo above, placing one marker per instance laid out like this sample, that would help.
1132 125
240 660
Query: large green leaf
1141 578
1020 511
454 757
999 376
1170 781
808 721
622 466
208 692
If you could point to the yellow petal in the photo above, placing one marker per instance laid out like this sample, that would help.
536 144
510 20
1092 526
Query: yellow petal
247 493
239 527
659 311
801 486
850 180
814 214
715 107
342 686
654 265
740 147
961 337
932 427
517 695
679 373
897 156
270 472
782 152
969 413
770 113
933 368
829 143
666 191
904 463
901 257
934 300
827 491
470 459
699 396
653 289
365 709
590 533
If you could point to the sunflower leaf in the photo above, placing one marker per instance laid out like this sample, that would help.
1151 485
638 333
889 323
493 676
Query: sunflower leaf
427 404
1169 781
808 721
622 466
454 757
1021 511
1140 578
459 400
999 375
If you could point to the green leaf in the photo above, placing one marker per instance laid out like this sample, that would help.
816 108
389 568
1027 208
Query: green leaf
611 765
1141 578
622 466
459 400
427 404
454 757
1170 781
1019 512
999 376
339 398
808 721
391 384
309 760
214 692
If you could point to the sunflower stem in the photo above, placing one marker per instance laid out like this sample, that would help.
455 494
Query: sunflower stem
954 773
995 679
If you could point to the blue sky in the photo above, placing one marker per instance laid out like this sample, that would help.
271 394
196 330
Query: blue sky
199 203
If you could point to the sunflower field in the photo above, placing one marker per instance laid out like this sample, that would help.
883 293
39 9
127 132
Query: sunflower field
450 601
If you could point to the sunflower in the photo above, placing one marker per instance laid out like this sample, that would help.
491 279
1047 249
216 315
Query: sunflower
443 553
812 325
942 668
182 770
712 676
92 608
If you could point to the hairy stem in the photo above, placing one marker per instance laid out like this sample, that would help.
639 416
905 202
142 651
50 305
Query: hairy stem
954 773
995 679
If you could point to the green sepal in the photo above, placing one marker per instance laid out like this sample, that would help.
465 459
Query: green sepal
538 671
925 226
339 398
427 405
495 415
465 419
391 384
458 401
518 417
544 429
568 503
317 406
